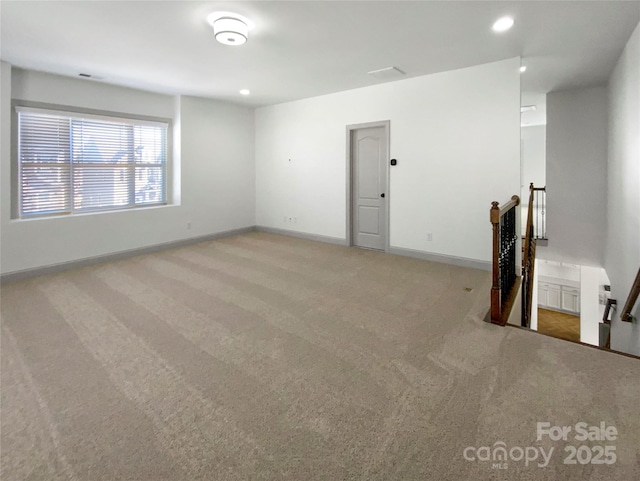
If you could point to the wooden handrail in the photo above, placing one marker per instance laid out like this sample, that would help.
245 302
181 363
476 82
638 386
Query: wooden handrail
501 295
515 201
625 315
528 261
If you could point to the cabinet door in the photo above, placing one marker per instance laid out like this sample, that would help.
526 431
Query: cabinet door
554 299
570 299
543 295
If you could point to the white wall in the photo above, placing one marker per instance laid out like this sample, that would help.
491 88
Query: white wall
622 257
554 271
5 150
576 176
456 136
537 116
590 313
215 158
533 323
218 170
533 158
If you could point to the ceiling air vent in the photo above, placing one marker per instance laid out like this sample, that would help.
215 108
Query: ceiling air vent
387 73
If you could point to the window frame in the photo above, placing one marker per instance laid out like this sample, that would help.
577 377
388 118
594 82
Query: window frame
80 112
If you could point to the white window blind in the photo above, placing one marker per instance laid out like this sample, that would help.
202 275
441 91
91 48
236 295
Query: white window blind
71 163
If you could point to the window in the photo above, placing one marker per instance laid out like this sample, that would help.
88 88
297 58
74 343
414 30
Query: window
70 163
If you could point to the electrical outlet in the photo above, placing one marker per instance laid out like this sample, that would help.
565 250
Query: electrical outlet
295 220
429 236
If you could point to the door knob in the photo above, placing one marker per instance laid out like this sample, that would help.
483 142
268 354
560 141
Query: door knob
382 195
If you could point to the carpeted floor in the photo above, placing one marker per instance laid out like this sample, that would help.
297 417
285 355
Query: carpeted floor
260 357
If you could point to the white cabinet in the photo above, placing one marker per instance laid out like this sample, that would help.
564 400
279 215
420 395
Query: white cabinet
543 294
570 299
554 301
549 295
558 297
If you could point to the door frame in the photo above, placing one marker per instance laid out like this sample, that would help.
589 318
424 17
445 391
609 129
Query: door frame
386 124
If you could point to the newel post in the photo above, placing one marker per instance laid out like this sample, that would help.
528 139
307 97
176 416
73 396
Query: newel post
495 287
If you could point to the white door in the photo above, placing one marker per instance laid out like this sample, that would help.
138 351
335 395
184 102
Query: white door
369 183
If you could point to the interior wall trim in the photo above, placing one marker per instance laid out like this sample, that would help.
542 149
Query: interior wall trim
75 264
88 261
442 258
303 235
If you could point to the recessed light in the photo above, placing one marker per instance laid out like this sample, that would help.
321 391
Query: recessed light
523 68
245 92
503 24
387 73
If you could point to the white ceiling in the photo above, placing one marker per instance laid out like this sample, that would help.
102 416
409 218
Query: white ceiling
302 49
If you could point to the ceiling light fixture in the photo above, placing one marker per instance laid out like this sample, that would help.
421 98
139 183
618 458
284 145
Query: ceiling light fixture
503 24
527 108
245 92
387 73
523 69
230 28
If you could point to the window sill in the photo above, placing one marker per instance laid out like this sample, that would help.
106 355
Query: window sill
129 210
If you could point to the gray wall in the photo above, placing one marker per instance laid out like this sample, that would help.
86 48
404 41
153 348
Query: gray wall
622 257
576 176
456 136
534 141
213 173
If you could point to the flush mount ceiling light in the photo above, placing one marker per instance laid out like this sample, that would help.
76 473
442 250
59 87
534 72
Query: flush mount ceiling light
527 108
230 28
523 69
230 31
503 24
245 92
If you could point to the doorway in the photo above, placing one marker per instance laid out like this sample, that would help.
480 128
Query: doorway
368 185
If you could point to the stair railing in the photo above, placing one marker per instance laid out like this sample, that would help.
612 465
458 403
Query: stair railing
529 260
538 199
504 275
625 315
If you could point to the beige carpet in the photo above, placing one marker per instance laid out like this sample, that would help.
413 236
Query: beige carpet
261 357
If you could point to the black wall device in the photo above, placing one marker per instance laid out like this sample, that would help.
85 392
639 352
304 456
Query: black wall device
394 161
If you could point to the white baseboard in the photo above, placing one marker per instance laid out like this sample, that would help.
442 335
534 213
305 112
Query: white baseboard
75 264
64 266
442 258
303 235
